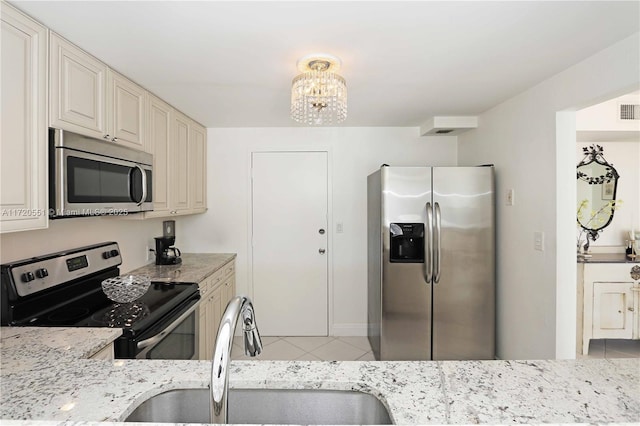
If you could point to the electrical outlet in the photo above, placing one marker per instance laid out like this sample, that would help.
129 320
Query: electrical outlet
510 197
150 254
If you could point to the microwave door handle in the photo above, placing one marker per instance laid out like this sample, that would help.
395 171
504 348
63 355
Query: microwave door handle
144 185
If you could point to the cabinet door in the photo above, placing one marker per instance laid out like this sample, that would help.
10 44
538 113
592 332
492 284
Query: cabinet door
179 172
77 98
197 167
126 111
23 143
612 310
158 144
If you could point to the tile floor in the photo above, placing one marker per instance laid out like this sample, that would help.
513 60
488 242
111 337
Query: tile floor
358 348
613 348
309 349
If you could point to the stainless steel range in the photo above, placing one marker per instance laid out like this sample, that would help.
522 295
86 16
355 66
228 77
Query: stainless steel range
64 289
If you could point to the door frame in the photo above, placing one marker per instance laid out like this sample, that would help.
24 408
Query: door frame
330 225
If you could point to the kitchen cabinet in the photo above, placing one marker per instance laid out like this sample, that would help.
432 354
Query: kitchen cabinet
158 143
126 111
89 98
611 298
198 168
23 143
179 167
216 291
178 145
78 88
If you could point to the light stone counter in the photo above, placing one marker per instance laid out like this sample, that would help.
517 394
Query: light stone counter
195 267
47 382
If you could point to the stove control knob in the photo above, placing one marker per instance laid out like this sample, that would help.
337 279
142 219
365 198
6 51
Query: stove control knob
42 272
28 276
111 253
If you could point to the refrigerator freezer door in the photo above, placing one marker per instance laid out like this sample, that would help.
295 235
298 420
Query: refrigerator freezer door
405 329
464 296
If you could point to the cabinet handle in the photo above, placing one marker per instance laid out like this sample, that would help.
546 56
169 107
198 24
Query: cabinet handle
114 140
630 309
106 136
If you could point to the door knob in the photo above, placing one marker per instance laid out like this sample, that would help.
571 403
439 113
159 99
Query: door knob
321 251
321 231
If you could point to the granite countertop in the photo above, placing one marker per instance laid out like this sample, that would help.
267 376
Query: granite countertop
195 267
608 258
43 381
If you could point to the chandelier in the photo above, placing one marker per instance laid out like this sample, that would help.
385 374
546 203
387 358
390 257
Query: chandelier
318 94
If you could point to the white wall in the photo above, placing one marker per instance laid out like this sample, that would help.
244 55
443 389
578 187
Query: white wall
536 290
133 236
354 153
625 157
604 116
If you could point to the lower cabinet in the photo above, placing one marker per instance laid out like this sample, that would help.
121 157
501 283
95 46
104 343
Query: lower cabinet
216 291
611 301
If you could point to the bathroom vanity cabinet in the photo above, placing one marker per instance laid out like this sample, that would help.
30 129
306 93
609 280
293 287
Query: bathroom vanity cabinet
609 292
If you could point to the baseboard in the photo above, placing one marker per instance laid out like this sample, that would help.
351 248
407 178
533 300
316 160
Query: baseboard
348 330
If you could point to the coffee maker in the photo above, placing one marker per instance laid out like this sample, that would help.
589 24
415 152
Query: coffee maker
165 253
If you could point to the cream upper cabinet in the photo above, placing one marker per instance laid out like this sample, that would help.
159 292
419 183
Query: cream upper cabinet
159 140
23 143
78 87
179 167
178 145
87 97
126 111
197 167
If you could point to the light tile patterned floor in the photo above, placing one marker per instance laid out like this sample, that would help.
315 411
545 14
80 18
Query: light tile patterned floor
613 348
309 349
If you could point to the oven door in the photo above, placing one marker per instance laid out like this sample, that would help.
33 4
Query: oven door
172 338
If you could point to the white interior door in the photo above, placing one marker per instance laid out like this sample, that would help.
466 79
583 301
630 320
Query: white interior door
289 202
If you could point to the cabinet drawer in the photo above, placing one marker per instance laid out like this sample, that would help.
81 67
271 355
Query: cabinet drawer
229 269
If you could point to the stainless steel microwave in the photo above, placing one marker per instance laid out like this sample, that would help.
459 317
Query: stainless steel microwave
92 177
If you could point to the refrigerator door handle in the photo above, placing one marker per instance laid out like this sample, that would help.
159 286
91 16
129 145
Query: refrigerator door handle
428 245
437 252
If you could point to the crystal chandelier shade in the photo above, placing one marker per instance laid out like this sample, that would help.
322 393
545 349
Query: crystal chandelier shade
319 94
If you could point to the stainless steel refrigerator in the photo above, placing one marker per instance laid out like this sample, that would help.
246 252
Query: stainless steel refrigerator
431 263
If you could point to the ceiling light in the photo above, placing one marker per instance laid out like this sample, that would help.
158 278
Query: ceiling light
319 95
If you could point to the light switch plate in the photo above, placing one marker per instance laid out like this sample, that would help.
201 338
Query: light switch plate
509 200
339 228
538 240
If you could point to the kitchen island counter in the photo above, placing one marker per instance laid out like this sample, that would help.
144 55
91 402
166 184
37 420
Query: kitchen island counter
61 387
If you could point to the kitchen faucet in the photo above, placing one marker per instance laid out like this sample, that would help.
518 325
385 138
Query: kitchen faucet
237 307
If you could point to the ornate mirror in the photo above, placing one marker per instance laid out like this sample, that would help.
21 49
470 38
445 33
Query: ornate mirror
597 185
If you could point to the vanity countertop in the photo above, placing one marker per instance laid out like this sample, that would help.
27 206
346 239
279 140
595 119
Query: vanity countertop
608 258
195 267
41 381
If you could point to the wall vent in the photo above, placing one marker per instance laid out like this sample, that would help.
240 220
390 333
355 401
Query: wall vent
629 112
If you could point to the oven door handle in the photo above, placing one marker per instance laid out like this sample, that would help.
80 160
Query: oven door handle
158 337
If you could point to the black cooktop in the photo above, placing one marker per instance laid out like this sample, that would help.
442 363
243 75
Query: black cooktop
97 310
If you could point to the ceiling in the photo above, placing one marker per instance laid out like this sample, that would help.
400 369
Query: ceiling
230 64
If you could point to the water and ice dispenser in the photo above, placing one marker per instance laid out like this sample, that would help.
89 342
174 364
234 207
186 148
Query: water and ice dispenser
407 242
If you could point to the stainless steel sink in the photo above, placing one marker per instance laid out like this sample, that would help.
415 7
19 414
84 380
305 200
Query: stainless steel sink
266 406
